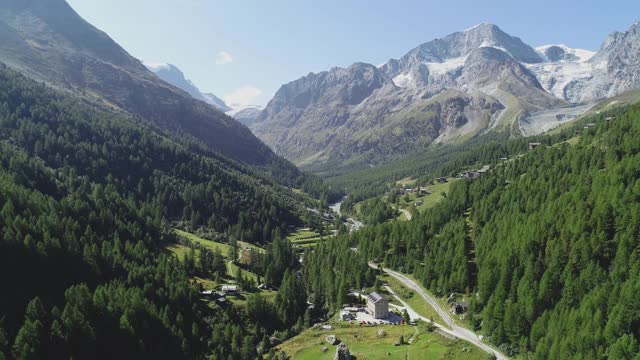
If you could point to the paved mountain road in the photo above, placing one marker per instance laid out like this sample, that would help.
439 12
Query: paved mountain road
450 327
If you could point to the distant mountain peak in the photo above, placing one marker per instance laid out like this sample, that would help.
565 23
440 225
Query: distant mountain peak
174 76
49 42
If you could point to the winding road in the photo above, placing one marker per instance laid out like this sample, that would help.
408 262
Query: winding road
451 328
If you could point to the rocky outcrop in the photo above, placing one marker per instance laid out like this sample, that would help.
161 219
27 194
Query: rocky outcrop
342 352
445 90
450 89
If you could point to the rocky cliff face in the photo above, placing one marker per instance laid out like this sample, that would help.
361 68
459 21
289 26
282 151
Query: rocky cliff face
48 41
438 92
446 90
616 67
426 64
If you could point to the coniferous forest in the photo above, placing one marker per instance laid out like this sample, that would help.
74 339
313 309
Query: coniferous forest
89 199
475 198
546 246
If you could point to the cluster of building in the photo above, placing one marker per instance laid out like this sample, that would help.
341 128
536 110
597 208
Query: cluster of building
474 174
220 296
377 308
418 190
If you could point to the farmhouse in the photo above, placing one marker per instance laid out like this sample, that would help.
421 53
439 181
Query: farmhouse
213 295
470 174
223 302
459 307
230 289
378 306
534 145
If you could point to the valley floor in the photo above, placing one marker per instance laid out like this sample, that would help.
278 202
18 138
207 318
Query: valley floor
366 343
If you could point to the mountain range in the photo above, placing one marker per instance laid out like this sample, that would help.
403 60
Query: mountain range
447 90
49 42
174 76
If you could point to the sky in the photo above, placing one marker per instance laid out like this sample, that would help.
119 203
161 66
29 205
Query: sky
244 50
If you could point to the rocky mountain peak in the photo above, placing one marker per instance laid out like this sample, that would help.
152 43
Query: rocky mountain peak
426 64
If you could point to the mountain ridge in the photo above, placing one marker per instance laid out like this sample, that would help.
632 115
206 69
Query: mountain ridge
50 42
174 76
318 119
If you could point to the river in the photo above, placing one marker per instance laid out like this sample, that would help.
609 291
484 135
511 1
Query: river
352 223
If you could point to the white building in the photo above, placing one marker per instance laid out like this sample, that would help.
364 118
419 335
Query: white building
378 306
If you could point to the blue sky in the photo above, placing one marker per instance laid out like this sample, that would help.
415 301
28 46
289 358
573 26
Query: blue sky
244 50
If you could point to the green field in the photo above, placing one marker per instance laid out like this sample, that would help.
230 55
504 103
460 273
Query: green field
246 245
421 304
208 244
415 301
207 284
233 270
365 344
303 238
241 301
429 200
179 250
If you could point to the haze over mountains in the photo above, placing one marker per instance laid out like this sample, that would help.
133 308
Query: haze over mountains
174 76
446 90
49 42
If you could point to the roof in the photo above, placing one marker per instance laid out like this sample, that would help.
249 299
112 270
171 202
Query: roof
462 304
229 288
374 297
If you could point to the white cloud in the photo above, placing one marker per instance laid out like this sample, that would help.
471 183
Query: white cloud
224 57
242 97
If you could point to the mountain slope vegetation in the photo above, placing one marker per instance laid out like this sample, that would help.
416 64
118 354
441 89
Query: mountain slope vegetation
546 245
48 41
89 201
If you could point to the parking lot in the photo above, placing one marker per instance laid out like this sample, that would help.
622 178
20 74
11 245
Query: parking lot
364 317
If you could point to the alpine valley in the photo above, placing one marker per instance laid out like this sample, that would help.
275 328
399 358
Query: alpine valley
477 198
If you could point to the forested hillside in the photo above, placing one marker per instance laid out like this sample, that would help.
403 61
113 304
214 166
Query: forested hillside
88 199
177 181
546 245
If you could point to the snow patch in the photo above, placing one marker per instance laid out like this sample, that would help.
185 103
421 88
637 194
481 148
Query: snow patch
477 26
555 76
446 66
403 80
154 66
582 55
236 108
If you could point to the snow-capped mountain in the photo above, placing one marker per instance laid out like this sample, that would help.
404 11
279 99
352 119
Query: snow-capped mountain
174 76
562 66
449 89
218 103
246 115
436 64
